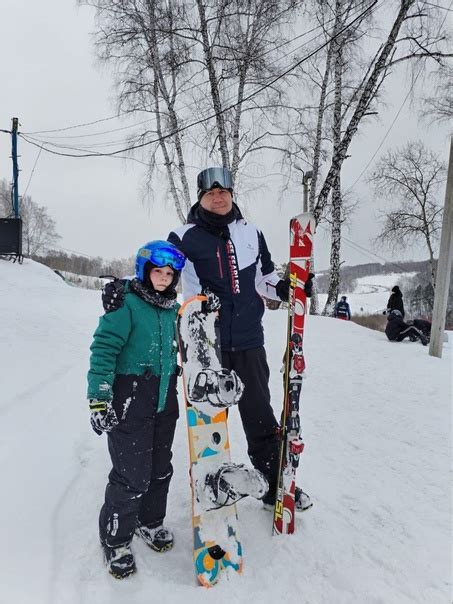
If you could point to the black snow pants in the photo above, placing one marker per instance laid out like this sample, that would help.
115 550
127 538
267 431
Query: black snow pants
410 332
258 419
140 450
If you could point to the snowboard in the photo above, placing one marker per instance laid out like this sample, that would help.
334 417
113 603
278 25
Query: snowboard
216 544
301 233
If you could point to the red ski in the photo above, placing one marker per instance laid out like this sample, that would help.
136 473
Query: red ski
300 251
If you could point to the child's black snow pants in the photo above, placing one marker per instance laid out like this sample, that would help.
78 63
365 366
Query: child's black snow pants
140 450
258 419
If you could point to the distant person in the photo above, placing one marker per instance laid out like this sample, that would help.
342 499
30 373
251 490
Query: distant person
342 309
397 330
133 398
395 302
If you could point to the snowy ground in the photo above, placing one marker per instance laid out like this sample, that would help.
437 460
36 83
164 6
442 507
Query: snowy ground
378 442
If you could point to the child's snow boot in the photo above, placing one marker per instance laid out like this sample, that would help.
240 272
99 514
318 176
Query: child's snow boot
119 560
159 538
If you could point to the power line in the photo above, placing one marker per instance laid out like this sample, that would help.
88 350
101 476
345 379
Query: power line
104 119
81 125
364 250
438 6
31 175
211 116
184 107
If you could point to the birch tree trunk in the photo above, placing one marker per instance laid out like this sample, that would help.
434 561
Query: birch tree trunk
214 85
367 95
336 214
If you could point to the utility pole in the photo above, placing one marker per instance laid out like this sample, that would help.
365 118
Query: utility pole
443 267
15 167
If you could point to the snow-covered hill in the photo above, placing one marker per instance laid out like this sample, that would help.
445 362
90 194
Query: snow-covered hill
371 293
376 424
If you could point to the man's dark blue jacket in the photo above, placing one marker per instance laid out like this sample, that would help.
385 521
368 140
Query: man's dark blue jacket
233 261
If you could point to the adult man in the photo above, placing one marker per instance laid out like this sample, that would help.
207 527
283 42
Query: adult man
342 309
229 256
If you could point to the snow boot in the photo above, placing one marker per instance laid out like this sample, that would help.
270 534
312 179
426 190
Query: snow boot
231 483
159 538
302 502
119 560
423 339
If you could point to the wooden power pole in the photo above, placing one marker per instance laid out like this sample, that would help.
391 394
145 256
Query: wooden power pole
443 267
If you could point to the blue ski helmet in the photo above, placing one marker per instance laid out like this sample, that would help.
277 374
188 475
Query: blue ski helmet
159 253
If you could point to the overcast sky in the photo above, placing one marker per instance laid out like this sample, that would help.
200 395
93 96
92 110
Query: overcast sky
51 79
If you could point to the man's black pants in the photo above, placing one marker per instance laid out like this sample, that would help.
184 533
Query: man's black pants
140 450
258 419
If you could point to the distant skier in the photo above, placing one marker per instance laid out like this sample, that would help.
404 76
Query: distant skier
342 309
397 330
132 393
395 302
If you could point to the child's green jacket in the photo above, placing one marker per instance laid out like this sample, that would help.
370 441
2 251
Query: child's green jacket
137 338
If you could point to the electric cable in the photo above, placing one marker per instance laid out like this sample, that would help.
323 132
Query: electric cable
81 125
211 116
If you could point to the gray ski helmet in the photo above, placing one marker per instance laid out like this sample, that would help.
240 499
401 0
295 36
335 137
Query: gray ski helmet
395 313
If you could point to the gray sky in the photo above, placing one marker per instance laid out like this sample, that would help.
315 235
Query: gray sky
51 79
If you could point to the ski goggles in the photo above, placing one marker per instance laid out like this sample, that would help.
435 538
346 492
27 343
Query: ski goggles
165 256
214 177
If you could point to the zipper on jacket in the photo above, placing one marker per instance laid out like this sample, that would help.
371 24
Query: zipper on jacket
219 259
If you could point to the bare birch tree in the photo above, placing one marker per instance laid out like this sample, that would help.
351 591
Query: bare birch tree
197 64
438 107
38 227
410 179
415 35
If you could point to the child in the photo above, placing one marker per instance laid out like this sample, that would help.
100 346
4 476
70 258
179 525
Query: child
132 393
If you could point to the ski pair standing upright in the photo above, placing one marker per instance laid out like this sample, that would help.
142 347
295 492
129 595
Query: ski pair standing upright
300 252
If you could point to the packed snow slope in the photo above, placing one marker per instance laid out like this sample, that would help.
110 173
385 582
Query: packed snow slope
376 424
371 293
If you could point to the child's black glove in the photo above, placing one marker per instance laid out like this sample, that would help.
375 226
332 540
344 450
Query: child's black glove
103 417
113 295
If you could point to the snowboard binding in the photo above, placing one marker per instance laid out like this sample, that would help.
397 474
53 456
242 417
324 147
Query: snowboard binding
231 483
222 389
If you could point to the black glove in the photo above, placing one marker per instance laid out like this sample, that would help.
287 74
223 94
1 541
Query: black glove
282 287
309 285
113 295
212 303
103 417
